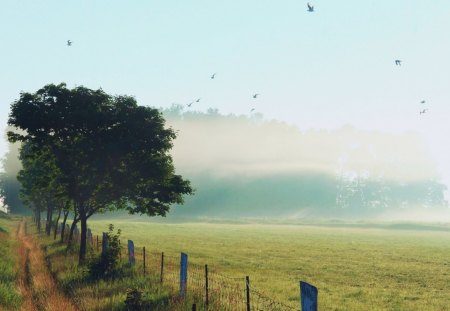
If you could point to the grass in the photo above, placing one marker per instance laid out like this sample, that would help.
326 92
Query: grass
354 268
109 294
10 298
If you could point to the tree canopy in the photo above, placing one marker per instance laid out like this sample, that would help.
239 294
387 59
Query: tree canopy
107 150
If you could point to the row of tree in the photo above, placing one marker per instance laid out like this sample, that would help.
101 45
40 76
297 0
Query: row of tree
85 152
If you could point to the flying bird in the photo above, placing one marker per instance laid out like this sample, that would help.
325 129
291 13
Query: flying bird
253 109
69 43
255 95
423 102
213 76
398 62
310 8
423 111
198 100
190 104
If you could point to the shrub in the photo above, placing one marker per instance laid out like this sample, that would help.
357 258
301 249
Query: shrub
107 265
134 299
146 299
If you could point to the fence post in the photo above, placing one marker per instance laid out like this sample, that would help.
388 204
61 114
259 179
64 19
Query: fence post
247 290
104 243
162 267
194 307
131 258
206 287
97 242
308 297
120 251
143 251
183 274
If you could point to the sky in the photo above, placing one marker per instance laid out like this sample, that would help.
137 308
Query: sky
325 69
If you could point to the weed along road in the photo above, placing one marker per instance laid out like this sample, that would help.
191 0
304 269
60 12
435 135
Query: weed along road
36 283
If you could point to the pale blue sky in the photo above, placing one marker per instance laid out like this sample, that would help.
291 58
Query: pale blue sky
323 69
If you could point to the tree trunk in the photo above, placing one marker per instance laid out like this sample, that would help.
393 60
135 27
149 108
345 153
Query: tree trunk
83 220
38 218
56 223
48 225
63 229
72 227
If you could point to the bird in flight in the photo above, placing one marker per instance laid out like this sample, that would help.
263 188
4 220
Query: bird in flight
213 76
253 109
198 100
190 104
255 95
69 43
398 62
423 111
423 102
310 7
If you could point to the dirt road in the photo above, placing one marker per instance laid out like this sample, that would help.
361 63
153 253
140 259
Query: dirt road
36 283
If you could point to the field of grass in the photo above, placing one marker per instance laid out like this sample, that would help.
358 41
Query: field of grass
354 268
10 298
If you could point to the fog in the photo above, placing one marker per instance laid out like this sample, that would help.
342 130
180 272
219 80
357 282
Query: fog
249 166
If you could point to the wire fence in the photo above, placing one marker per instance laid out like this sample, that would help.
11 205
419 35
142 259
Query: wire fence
207 288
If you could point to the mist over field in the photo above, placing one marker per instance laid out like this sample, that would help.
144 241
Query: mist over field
246 166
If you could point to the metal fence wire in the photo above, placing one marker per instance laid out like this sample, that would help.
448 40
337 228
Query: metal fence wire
208 289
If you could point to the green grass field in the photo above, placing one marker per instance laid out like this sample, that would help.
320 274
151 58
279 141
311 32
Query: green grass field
10 298
354 268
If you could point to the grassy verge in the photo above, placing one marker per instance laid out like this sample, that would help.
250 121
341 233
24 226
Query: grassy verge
10 298
106 294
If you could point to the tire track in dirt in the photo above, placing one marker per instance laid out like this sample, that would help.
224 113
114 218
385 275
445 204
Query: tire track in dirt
36 284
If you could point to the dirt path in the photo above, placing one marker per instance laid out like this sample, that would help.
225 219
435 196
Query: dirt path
36 284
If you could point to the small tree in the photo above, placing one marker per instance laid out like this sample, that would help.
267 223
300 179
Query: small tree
106 265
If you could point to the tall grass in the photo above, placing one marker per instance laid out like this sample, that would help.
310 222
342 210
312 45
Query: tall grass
104 294
10 298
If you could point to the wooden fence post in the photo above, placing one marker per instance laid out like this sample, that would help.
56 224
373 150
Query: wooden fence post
97 242
162 267
143 251
194 307
120 251
206 286
247 289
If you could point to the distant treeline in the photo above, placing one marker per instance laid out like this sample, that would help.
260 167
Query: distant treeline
330 189
306 196
299 193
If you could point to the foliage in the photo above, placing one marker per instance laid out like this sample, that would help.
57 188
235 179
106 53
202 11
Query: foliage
106 266
134 299
109 152
138 299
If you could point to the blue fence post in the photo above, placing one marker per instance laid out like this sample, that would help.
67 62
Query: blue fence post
183 274
89 237
104 243
308 297
131 259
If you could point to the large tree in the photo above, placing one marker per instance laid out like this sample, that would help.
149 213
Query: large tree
111 152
